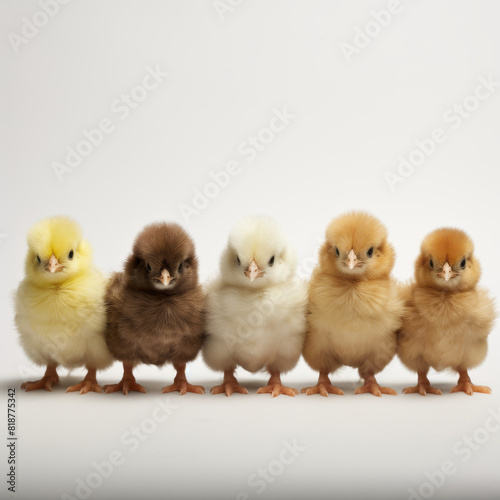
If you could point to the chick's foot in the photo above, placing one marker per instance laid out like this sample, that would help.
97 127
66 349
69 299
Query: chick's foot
180 382
371 386
422 389
183 386
85 386
89 383
465 385
229 386
125 385
46 382
323 387
469 388
277 389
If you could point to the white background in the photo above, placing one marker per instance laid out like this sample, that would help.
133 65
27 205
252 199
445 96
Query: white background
352 122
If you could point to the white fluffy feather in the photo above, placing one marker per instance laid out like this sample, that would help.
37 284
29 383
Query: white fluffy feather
256 324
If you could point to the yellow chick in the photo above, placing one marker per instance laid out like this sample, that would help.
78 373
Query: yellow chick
60 312
447 319
354 305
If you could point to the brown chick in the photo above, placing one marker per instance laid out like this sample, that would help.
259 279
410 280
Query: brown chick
354 305
447 318
156 307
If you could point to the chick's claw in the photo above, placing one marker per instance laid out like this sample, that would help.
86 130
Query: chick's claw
277 389
125 385
422 389
183 386
469 388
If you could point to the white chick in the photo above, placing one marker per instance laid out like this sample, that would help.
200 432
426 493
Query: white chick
256 309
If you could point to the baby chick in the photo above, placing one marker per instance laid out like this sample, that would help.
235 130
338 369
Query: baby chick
447 318
256 308
155 307
60 311
354 306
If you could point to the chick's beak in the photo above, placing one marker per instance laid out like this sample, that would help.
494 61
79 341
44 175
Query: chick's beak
253 271
446 273
165 277
53 266
352 259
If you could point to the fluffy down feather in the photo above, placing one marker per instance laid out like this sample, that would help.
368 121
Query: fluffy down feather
448 318
354 305
256 321
156 306
60 313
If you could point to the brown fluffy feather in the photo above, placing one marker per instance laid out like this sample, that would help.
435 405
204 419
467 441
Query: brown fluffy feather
152 326
446 323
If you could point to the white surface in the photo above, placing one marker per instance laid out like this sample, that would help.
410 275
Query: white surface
352 121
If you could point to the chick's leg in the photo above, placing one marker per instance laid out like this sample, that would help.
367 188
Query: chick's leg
46 382
323 387
180 382
371 386
89 383
465 385
229 385
423 386
275 387
127 383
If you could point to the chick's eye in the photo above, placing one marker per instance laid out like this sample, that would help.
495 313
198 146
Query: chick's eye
462 264
370 252
337 251
38 259
181 266
431 264
148 267
271 261
71 254
238 260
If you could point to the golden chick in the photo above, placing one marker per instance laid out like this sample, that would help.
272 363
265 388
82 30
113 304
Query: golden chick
354 305
447 319
60 312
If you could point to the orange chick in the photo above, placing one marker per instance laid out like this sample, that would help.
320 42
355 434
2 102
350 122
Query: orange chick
448 318
355 309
